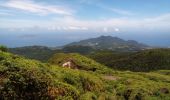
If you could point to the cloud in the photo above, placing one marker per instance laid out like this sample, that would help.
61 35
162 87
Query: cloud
161 22
154 24
116 29
89 2
68 28
105 29
77 28
5 14
99 4
33 7
116 10
120 11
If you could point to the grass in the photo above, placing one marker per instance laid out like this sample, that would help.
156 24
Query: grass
21 78
83 62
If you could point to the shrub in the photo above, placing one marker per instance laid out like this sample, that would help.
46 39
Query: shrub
3 48
91 83
88 96
24 85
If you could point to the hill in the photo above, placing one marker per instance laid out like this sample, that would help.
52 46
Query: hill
80 61
26 79
147 60
84 47
41 53
78 49
110 43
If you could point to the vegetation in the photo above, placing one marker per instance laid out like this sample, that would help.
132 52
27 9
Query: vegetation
82 62
3 48
34 52
110 43
78 49
26 79
42 53
147 60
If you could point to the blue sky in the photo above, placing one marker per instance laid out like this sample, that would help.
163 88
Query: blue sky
57 22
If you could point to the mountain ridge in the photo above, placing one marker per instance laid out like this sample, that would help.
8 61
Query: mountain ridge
110 43
87 46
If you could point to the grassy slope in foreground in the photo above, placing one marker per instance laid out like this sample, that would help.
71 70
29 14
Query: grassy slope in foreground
21 78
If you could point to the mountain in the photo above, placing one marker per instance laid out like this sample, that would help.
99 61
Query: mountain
78 49
25 79
111 43
84 47
146 60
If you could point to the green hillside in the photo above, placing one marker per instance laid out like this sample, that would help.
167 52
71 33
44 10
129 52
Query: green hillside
78 49
43 53
147 60
26 79
34 52
83 62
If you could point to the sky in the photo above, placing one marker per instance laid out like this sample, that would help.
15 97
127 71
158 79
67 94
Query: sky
58 22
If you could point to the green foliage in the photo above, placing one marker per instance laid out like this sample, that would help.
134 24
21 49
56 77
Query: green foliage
91 83
110 43
34 52
24 85
78 49
3 48
107 57
88 96
80 79
147 60
26 79
82 62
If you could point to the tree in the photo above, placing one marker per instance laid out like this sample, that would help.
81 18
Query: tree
3 48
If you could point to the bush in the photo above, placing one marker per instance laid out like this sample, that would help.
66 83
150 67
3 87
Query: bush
3 48
24 85
88 96
91 83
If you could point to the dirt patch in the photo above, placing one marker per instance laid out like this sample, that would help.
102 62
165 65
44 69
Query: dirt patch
2 77
110 77
164 90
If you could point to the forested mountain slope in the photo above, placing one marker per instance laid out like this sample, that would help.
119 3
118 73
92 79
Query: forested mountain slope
146 60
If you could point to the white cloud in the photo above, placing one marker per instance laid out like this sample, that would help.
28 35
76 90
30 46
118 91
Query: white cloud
116 29
99 4
105 29
158 23
33 7
120 11
116 10
161 22
5 14
77 28
52 28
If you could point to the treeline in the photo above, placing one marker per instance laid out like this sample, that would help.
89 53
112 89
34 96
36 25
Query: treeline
147 60
3 48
